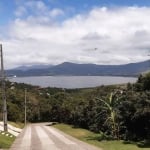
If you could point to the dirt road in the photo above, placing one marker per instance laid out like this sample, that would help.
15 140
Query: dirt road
42 137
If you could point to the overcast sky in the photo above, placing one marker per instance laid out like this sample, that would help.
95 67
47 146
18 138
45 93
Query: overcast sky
79 31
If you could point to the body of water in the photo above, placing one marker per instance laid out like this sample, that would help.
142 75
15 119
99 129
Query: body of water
73 81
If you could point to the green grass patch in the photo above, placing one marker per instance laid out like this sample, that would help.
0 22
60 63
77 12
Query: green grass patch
6 141
92 138
17 124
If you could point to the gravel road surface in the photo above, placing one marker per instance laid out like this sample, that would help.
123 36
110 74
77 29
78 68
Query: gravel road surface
42 137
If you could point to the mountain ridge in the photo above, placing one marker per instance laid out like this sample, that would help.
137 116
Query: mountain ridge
69 68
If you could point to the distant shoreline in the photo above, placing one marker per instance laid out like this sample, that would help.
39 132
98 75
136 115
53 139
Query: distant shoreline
132 76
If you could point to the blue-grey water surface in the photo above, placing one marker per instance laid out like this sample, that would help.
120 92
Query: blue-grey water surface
73 81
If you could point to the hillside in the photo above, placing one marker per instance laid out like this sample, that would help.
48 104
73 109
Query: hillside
67 68
87 108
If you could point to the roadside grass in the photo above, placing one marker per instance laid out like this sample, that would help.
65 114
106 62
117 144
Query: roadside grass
6 141
17 124
92 138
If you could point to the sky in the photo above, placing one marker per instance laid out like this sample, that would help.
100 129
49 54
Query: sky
79 31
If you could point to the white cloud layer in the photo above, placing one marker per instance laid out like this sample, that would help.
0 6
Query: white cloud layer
102 36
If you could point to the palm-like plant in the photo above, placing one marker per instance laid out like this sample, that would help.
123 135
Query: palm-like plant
110 105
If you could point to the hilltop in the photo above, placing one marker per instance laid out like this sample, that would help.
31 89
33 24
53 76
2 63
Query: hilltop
72 69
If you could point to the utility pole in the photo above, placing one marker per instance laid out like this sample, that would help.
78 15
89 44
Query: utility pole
25 106
3 90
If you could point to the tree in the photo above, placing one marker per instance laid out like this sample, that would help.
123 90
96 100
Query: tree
135 116
143 82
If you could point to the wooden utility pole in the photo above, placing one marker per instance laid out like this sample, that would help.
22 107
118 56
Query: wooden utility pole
3 90
25 107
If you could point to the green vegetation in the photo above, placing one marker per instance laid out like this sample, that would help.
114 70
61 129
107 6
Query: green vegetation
118 112
17 124
110 106
6 141
93 138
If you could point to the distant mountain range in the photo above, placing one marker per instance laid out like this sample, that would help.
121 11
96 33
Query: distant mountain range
72 69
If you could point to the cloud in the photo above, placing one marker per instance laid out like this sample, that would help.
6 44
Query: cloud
56 12
94 36
37 6
20 11
120 35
